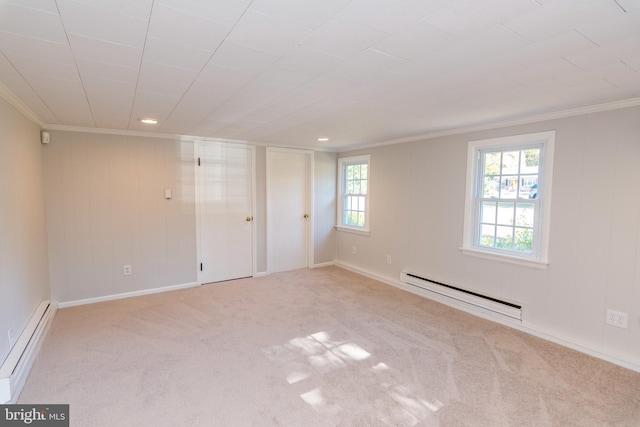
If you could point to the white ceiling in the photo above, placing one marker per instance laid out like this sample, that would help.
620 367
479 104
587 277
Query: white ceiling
289 71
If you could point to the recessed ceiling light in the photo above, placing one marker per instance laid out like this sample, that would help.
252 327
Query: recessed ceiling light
323 139
148 120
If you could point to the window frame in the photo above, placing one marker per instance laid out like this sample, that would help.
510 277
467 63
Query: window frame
539 258
343 163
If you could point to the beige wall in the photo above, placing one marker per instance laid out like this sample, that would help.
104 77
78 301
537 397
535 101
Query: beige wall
24 270
324 185
417 203
106 208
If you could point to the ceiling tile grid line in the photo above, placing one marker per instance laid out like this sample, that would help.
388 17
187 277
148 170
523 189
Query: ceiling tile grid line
285 71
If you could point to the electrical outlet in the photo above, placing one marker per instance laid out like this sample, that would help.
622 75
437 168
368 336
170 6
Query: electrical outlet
388 259
354 250
617 318
126 270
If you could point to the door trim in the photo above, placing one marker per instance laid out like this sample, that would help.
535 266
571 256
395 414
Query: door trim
310 194
198 144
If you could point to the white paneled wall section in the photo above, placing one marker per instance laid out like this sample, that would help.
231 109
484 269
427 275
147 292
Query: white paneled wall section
24 269
106 209
417 203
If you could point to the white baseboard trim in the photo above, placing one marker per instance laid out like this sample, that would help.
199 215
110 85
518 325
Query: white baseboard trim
546 335
15 369
127 295
323 264
261 274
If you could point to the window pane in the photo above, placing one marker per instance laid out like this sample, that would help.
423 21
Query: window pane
530 161
487 235
510 161
364 172
360 219
349 189
524 240
488 212
505 213
524 214
504 237
509 187
491 186
356 187
492 163
363 187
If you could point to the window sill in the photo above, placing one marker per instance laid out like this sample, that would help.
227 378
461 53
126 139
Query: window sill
540 264
361 232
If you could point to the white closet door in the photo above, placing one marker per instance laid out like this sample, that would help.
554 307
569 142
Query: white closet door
225 203
288 209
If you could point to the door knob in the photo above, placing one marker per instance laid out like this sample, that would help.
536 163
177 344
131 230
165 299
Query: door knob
306 216
249 218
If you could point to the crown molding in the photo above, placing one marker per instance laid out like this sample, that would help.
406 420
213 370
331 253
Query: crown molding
12 99
193 138
598 108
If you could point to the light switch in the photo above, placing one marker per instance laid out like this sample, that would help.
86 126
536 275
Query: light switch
167 193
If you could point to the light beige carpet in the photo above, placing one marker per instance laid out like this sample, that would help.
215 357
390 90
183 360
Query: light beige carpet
321 347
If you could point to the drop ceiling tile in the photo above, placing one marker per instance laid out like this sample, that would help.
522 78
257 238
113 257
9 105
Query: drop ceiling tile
222 11
34 23
138 9
553 48
366 65
65 98
618 74
308 14
102 23
157 105
105 52
110 117
182 28
208 127
464 18
181 120
108 72
18 85
254 95
74 114
14 44
267 34
229 113
417 42
623 50
561 17
308 62
241 58
43 5
619 27
152 86
541 71
389 16
221 82
202 97
496 40
169 52
167 73
109 92
343 38
322 88
34 66
629 5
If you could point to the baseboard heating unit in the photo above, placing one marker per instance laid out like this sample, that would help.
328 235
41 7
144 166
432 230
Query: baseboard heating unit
16 367
462 295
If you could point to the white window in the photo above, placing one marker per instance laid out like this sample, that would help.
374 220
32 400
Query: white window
353 194
508 198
